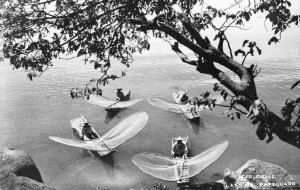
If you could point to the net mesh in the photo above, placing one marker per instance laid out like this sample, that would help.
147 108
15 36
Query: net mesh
126 129
164 104
206 158
159 166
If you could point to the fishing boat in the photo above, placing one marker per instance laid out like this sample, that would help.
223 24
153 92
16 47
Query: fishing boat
77 126
108 142
184 176
178 169
175 108
112 105
191 112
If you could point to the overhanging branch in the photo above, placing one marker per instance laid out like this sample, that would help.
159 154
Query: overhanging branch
183 57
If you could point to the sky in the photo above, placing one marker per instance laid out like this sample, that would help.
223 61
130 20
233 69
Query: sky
258 30
290 42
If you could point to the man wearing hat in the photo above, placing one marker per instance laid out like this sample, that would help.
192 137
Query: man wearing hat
120 95
88 132
179 149
184 98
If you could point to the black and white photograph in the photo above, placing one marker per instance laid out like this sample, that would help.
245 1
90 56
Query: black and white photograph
149 94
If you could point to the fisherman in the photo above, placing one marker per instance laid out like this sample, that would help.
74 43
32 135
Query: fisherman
184 98
88 132
120 95
179 149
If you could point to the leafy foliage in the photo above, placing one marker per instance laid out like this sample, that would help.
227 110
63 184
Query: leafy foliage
290 109
233 103
102 29
273 39
252 46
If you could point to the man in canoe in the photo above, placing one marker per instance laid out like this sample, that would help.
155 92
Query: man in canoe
179 149
120 95
88 132
184 98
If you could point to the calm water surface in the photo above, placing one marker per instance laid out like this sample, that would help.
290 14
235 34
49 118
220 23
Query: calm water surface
32 111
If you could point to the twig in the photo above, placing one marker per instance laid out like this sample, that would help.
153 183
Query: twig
227 106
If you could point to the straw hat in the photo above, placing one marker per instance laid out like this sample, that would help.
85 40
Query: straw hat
179 138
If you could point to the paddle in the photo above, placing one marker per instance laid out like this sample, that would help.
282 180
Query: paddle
111 149
84 120
108 107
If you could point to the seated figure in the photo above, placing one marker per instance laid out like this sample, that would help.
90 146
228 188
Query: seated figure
179 149
184 98
88 132
120 95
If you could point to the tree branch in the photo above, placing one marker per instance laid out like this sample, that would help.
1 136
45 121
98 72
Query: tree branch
183 57
207 67
214 54
188 25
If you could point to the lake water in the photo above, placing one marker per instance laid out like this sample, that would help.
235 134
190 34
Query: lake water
32 111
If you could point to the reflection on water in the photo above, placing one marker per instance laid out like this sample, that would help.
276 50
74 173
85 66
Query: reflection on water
32 111
109 165
112 114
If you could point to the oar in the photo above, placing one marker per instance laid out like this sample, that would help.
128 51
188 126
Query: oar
84 120
102 140
108 107
98 136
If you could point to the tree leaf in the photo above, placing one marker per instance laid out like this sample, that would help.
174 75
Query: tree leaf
251 51
238 52
258 50
222 92
245 42
29 75
273 39
216 87
239 22
225 95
